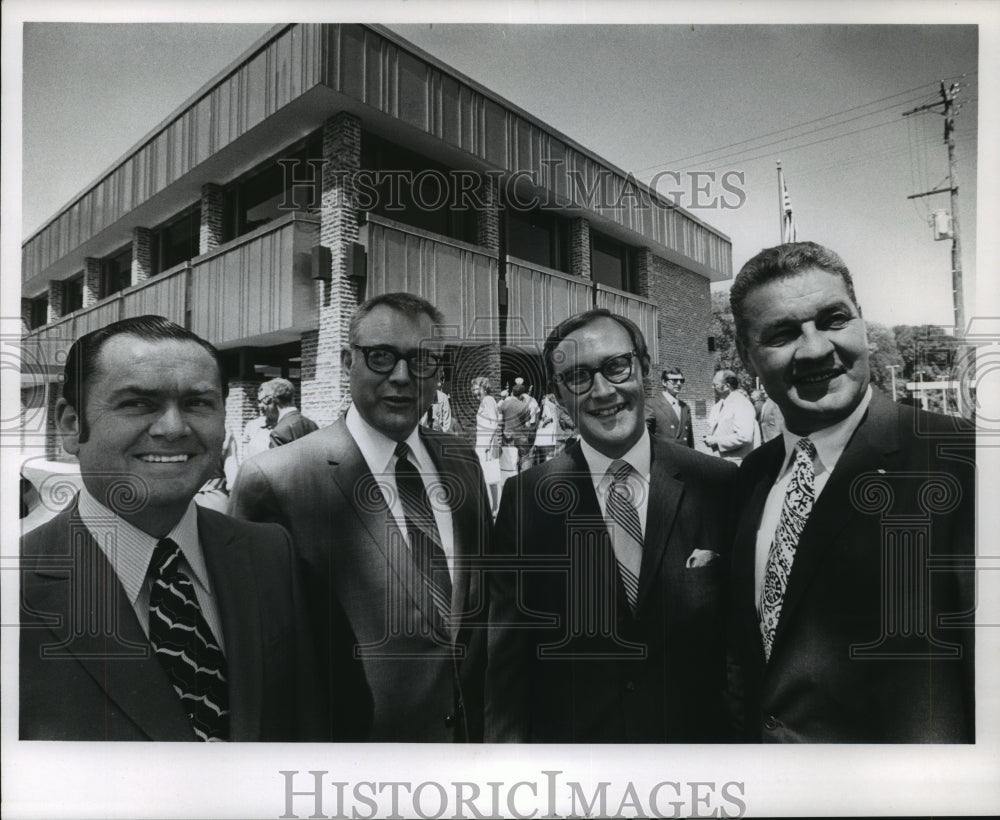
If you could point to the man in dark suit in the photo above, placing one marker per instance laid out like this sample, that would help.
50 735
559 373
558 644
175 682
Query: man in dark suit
277 404
853 561
668 416
389 586
143 616
606 608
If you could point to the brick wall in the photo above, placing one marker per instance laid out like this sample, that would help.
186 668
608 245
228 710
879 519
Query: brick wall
579 248
56 289
324 393
685 308
142 255
488 220
210 236
91 281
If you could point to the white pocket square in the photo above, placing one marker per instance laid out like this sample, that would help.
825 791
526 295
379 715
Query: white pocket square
700 558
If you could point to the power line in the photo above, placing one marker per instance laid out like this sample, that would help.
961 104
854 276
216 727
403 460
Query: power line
799 125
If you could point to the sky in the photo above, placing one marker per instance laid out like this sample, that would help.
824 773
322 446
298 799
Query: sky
825 100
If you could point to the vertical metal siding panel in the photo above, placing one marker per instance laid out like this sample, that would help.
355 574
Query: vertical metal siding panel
352 63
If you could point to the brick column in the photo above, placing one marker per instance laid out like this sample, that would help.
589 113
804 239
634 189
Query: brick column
142 255
324 384
25 315
56 289
685 311
241 406
579 248
488 219
211 217
644 272
91 281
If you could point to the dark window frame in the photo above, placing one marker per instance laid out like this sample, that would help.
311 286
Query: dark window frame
627 258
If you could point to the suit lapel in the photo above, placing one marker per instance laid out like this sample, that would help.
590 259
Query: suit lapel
362 494
875 437
665 493
462 493
234 585
110 643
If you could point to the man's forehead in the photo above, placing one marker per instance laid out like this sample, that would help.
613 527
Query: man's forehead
127 359
598 339
384 325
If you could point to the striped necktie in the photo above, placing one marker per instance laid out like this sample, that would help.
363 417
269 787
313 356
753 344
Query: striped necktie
422 530
626 532
794 512
185 646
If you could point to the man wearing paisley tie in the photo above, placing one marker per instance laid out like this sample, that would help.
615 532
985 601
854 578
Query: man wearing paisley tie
145 616
853 589
606 584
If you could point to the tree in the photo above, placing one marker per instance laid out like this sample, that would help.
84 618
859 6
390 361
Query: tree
882 355
723 330
928 354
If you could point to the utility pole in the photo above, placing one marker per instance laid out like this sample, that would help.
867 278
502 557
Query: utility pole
892 368
948 111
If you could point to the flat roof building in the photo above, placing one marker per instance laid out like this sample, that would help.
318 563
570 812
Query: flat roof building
334 162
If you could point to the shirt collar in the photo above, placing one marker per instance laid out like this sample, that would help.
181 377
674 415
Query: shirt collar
639 457
129 549
378 449
830 441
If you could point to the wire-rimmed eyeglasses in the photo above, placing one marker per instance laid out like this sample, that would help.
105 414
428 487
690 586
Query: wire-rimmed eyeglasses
383 359
617 370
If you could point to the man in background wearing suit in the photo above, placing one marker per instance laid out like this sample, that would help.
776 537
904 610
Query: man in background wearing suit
606 600
277 403
844 630
668 416
145 617
388 517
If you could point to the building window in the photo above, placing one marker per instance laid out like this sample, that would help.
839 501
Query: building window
72 294
290 181
392 181
538 236
39 312
116 272
176 241
612 263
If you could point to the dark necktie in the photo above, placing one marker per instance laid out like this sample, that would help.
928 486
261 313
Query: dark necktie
185 646
422 530
626 532
794 513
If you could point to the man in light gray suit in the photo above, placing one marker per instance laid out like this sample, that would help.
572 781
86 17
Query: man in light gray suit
387 517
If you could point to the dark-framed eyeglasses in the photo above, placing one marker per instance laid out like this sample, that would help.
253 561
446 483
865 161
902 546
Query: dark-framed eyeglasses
383 359
676 379
617 370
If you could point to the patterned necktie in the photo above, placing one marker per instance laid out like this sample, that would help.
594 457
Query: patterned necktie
626 532
794 513
185 646
422 530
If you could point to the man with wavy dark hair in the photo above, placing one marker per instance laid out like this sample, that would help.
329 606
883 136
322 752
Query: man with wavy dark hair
145 616
853 582
606 588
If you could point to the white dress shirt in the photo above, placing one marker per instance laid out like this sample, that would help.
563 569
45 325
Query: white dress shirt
830 444
379 452
640 458
129 550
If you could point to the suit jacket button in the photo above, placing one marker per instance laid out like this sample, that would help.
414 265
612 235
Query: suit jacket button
630 685
449 721
771 723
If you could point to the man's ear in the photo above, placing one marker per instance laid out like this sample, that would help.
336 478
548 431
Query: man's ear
646 365
68 424
346 358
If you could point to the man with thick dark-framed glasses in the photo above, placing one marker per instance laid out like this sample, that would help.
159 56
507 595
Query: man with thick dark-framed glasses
606 581
387 517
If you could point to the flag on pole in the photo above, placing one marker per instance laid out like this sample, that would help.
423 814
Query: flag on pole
788 230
